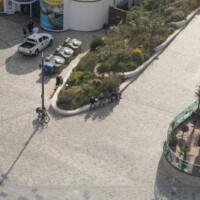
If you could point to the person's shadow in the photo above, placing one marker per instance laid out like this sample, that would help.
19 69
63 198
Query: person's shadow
101 112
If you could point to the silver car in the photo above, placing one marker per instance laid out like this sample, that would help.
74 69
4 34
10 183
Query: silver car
64 52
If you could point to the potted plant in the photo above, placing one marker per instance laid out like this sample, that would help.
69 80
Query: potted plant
173 139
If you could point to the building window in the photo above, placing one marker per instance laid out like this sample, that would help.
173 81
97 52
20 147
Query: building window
1 5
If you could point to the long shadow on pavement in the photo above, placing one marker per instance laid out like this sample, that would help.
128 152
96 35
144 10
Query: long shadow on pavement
100 113
36 129
163 187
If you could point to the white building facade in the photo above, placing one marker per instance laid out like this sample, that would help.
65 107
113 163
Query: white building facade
61 15
8 7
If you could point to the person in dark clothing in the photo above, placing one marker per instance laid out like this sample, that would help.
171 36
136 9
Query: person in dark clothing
101 99
30 26
113 95
61 80
119 94
24 31
57 82
92 103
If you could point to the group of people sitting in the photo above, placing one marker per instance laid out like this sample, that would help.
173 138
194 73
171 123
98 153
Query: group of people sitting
105 97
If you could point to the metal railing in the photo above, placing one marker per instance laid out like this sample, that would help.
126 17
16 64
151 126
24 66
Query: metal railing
171 157
179 163
181 118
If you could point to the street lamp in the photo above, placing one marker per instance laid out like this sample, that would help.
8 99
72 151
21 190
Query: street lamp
42 96
42 113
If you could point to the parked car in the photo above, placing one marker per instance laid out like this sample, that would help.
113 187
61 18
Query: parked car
66 41
73 44
35 43
64 52
59 62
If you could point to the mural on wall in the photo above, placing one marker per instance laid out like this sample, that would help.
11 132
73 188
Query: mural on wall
51 15
23 1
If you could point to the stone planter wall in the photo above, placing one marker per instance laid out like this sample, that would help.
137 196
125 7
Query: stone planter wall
182 177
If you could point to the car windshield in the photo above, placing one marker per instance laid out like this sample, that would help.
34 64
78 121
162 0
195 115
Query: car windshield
31 40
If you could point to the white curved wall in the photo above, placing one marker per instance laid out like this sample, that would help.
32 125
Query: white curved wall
88 16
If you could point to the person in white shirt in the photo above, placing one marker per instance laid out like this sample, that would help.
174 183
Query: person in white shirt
36 30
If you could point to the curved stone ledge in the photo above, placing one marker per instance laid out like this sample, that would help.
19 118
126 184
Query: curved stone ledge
141 68
168 41
85 108
182 176
181 25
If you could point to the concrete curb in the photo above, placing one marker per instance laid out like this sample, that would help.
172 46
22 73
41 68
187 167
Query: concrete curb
54 106
132 76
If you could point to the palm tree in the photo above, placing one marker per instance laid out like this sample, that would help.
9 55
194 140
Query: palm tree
184 129
184 148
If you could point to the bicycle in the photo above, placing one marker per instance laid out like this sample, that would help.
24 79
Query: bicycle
42 117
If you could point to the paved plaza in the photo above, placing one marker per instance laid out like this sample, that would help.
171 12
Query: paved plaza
113 153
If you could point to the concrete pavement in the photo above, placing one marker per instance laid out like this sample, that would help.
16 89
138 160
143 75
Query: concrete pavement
113 153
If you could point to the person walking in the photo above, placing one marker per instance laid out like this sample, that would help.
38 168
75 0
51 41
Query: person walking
57 82
92 103
61 80
24 31
30 26
173 187
35 30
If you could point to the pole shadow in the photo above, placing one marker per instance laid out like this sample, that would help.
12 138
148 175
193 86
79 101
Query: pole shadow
163 187
37 128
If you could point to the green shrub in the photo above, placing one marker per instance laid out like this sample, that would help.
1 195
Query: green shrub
169 31
178 16
151 4
193 4
138 56
157 40
83 96
88 62
109 83
97 42
123 66
104 55
75 77
65 97
79 77
95 82
168 11
105 67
